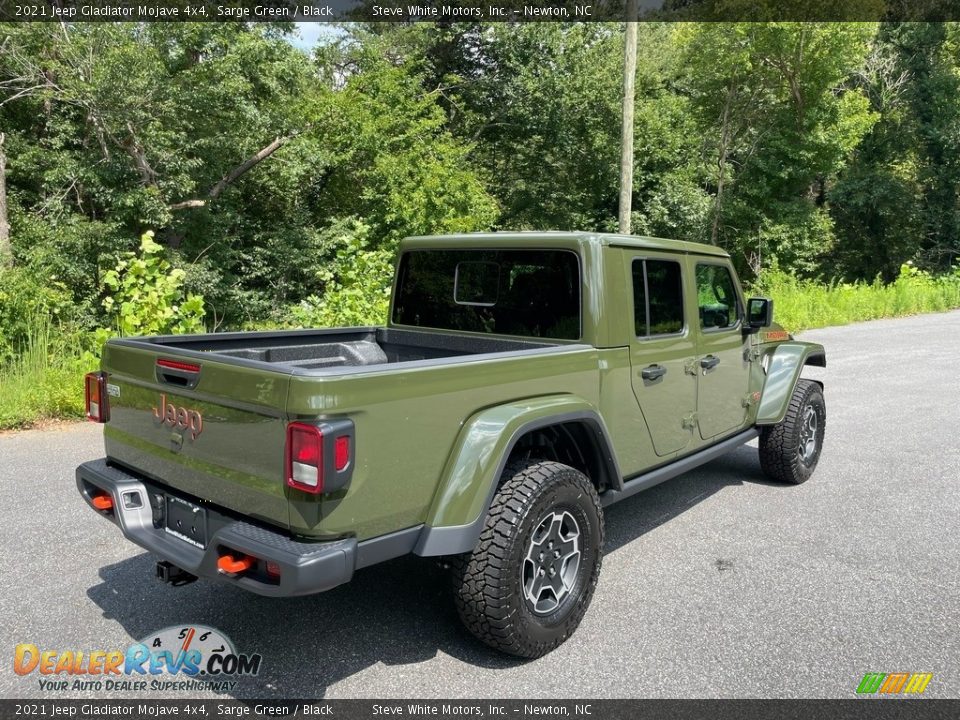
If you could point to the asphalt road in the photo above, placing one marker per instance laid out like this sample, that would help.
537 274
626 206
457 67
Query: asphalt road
716 584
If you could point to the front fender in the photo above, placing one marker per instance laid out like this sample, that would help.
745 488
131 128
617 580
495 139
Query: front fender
456 516
782 374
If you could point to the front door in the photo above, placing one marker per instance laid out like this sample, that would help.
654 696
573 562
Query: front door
722 351
662 352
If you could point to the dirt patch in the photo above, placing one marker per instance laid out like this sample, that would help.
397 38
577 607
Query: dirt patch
46 425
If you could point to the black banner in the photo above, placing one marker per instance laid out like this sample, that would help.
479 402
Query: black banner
879 709
475 10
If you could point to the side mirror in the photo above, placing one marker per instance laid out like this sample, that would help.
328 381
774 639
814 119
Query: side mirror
759 314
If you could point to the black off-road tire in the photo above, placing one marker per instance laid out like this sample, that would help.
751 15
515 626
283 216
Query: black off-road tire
782 455
488 583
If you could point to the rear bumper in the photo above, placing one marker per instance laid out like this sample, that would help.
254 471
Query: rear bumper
305 567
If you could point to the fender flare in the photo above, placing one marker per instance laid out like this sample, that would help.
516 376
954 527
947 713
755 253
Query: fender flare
472 473
783 372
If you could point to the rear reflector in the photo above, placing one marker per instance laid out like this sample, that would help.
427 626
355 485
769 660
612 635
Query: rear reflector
341 452
95 395
102 502
178 365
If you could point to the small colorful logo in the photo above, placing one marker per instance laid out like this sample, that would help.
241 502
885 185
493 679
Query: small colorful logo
894 683
198 654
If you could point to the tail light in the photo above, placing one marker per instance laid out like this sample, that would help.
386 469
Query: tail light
305 457
95 394
178 365
177 372
318 457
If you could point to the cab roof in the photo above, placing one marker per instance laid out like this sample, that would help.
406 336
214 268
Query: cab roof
559 239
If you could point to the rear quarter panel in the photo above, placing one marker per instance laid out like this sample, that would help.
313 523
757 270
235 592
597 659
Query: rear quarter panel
407 423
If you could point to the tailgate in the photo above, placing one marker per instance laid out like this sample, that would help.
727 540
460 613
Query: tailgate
217 434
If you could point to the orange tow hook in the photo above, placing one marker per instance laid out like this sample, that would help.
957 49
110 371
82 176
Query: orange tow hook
232 566
102 502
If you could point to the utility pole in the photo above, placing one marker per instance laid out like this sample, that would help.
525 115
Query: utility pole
629 92
6 253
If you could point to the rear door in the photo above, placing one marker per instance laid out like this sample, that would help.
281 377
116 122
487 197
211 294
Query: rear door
662 350
722 350
209 429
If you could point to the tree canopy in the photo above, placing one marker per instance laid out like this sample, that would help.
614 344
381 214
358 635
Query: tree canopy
269 175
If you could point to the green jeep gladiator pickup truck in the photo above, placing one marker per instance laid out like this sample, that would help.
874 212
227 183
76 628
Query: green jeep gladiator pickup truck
524 381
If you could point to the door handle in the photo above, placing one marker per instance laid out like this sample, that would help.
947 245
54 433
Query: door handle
653 372
709 362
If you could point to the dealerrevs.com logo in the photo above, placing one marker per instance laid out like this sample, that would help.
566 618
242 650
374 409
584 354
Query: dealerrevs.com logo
188 658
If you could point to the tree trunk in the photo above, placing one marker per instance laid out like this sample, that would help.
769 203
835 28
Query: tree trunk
6 251
626 140
726 142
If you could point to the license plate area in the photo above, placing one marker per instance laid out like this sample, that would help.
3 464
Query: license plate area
186 521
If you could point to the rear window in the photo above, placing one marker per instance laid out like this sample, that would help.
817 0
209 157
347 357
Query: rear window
532 293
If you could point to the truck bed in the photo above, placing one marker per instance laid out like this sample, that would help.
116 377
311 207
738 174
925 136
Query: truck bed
402 389
338 350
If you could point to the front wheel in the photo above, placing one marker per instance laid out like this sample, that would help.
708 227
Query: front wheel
790 450
527 585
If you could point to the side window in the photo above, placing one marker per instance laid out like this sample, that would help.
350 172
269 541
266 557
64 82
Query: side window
716 297
657 297
639 299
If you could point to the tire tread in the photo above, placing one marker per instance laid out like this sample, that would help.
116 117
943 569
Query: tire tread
778 443
482 593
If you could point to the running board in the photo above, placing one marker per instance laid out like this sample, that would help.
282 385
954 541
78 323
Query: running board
671 470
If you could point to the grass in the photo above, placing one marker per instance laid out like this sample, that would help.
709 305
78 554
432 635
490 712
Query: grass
803 304
45 381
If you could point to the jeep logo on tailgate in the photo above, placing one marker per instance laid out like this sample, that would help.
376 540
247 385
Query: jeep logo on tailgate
179 417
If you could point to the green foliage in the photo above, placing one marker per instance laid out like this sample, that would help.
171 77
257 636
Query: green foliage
898 199
45 380
802 304
146 294
67 255
23 298
139 126
356 282
399 168
541 102
279 182
780 123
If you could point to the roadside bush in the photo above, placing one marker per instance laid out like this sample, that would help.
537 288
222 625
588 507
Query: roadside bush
147 297
356 281
801 304
70 253
23 298
45 380
44 353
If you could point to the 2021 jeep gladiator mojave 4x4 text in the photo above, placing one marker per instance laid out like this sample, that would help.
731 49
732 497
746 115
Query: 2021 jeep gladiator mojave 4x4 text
522 383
